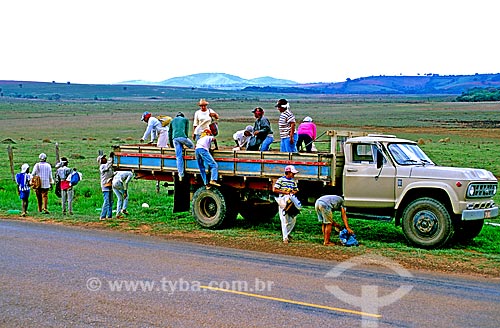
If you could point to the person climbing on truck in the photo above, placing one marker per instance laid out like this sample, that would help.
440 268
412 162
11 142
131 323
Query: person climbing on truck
325 206
203 156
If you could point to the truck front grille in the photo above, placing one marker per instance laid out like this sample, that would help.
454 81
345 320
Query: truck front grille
481 190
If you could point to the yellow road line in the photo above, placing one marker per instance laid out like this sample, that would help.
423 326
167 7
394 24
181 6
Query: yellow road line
294 302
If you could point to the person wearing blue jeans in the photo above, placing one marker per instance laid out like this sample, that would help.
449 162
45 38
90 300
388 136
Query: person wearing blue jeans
120 188
286 126
203 156
177 136
106 171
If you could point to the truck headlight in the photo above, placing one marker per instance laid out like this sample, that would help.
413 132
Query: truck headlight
470 191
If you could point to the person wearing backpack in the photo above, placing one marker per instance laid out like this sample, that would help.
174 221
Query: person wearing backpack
62 174
23 183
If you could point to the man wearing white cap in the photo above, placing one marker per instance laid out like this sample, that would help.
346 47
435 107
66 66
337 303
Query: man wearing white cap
44 171
286 187
241 137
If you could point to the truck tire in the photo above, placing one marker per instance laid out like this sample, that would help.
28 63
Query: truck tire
427 223
209 207
468 230
258 211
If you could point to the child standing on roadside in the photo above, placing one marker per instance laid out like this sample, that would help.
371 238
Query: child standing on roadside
23 187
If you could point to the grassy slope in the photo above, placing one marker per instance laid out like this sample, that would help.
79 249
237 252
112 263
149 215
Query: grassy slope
82 128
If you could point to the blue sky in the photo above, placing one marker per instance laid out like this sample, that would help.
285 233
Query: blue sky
109 41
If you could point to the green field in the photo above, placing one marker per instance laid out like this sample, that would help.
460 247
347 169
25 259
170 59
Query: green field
83 127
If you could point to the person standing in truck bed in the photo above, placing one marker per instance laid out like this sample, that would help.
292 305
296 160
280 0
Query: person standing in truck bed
286 125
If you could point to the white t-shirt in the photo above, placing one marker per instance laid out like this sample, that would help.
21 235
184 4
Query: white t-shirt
202 120
204 142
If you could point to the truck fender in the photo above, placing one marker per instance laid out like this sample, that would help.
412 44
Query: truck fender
409 194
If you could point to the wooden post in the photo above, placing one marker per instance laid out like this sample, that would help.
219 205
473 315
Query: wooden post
11 160
57 153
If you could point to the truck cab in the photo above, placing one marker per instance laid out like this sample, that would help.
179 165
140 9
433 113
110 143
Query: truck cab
389 177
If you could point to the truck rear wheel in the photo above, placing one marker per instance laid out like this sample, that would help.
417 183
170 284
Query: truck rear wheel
427 223
210 208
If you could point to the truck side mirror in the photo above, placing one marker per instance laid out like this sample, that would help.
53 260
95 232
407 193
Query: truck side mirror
380 159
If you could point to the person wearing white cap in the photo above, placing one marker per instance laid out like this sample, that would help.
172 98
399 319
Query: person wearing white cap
307 134
44 171
286 187
23 187
286 126
241 137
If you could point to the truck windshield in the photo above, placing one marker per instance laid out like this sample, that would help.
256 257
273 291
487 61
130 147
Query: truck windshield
408 154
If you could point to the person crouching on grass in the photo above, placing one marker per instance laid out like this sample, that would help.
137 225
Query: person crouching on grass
203 156
324 206
286 187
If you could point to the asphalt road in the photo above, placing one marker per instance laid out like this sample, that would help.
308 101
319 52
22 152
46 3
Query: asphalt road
60 276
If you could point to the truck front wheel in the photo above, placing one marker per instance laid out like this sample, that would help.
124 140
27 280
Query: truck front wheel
209 207
427 223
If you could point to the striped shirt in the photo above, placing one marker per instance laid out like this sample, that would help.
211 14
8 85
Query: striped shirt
286 184
284 121
44 171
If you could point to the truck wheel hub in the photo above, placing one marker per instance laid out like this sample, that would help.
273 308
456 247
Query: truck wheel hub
425 222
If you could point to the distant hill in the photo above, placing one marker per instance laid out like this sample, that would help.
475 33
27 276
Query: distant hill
219 85
425 84
216 81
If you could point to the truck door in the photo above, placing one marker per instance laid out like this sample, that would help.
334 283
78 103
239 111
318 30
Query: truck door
364 185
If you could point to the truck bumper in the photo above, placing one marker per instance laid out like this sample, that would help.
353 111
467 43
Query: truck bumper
480 214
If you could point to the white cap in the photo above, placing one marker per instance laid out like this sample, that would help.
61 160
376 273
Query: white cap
291 168
307 119
42 156
249 128
24 167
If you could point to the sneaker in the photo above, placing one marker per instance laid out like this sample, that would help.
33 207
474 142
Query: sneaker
23 214
214 183
102 219
285 241
124 211
119 216
180 178
46 212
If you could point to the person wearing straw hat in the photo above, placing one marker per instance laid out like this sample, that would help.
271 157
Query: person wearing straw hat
23 187
202 118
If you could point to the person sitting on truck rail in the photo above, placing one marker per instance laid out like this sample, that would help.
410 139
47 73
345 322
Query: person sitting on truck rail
203 156
324 206
262 134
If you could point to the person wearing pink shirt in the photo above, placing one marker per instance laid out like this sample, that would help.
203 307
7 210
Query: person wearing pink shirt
307 134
